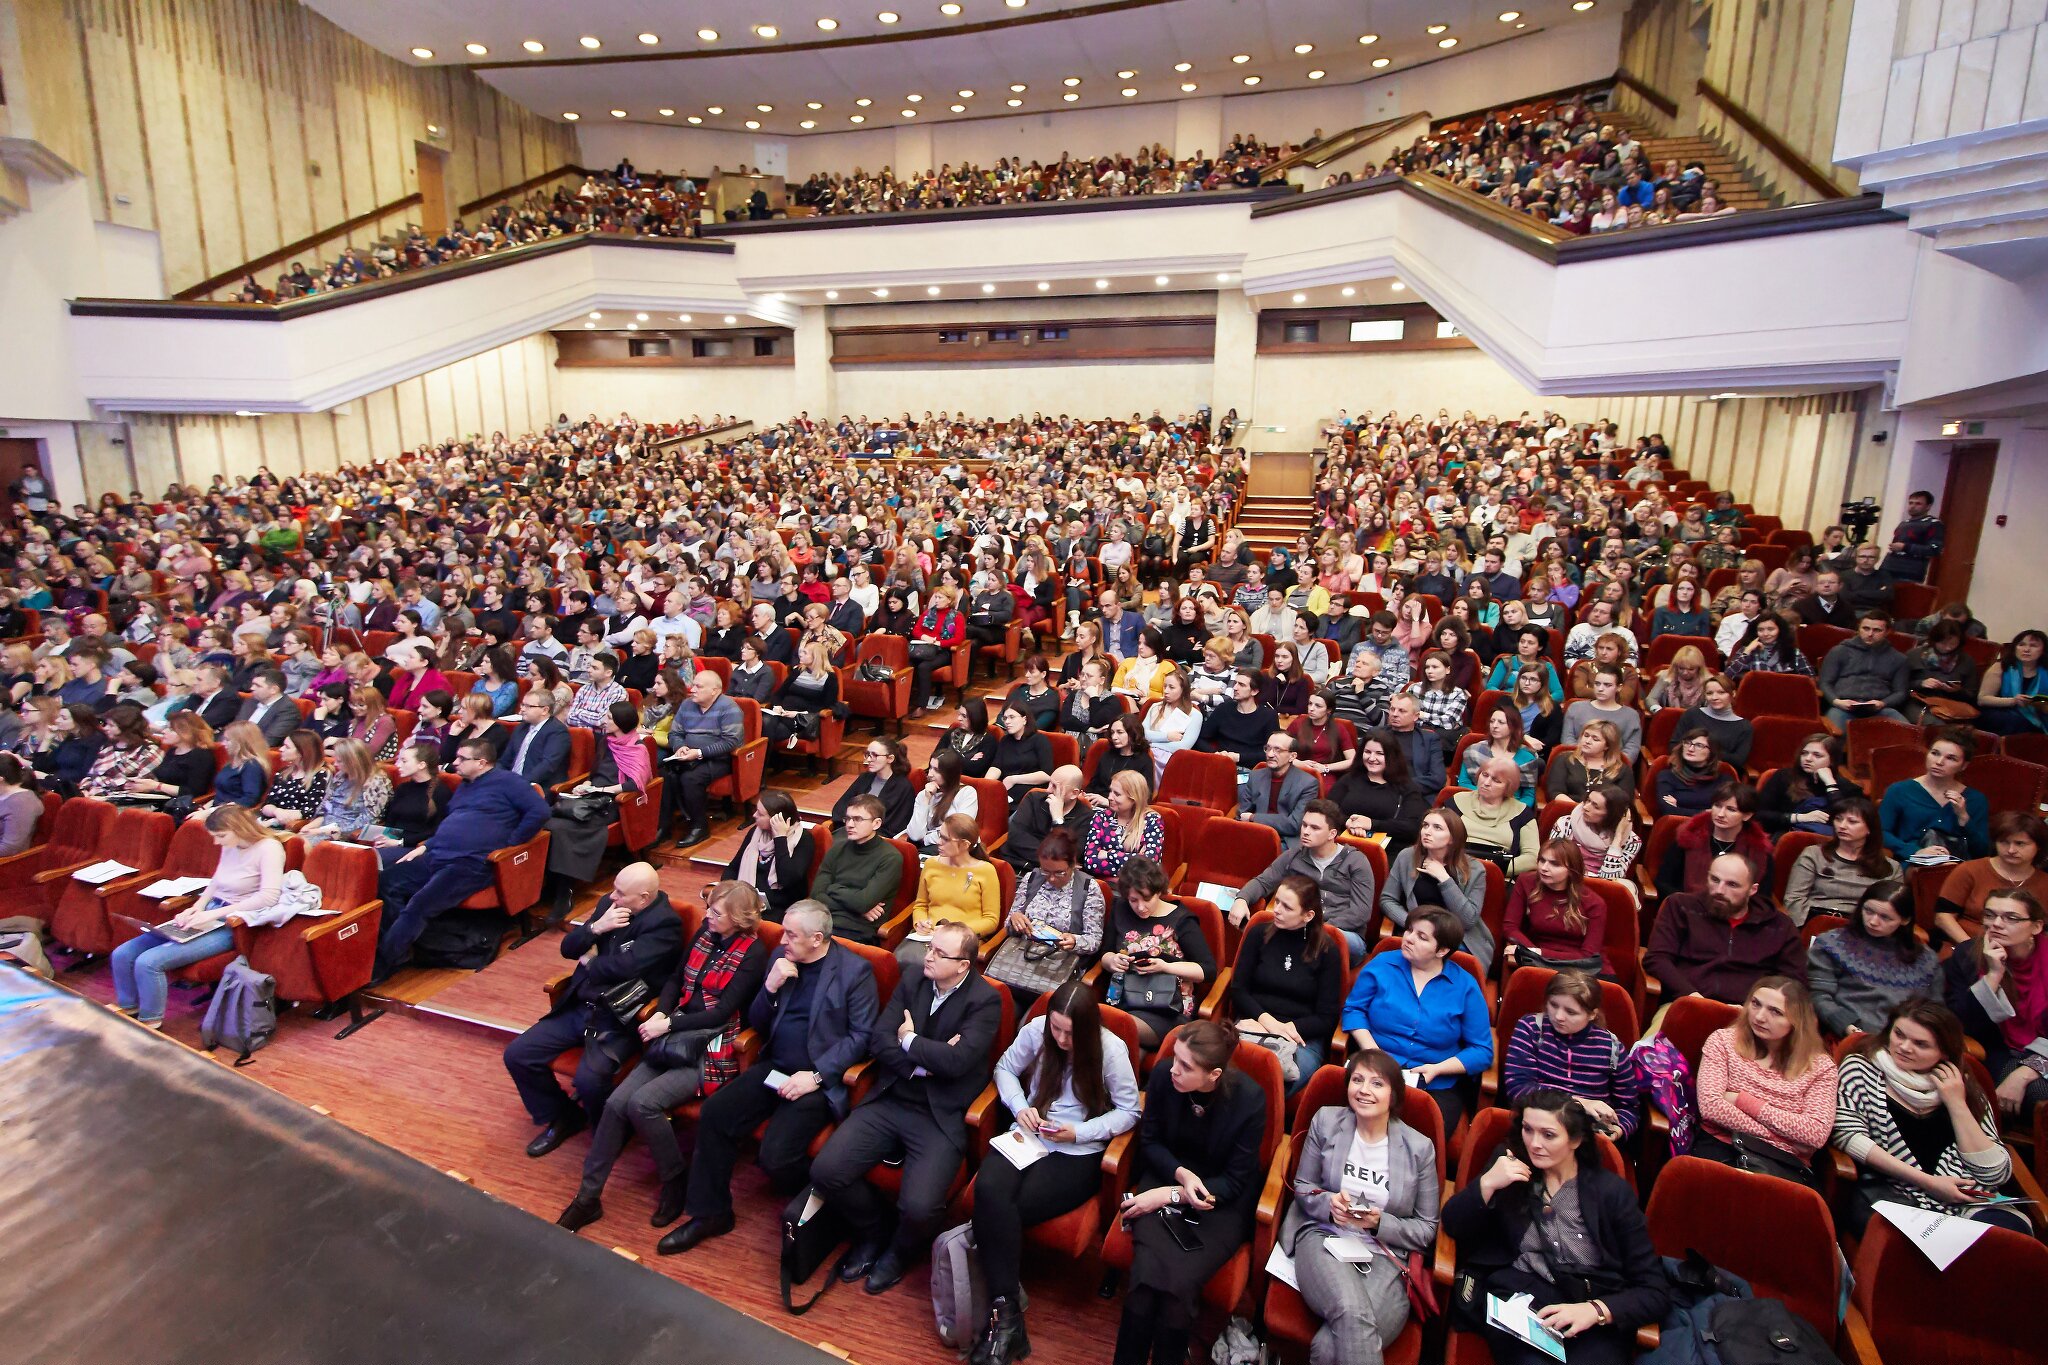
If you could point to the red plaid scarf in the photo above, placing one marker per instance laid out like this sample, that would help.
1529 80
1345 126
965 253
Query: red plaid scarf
713 975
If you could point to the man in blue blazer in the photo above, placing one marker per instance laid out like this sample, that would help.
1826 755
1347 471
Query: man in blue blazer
816 1009
1120 628
538 748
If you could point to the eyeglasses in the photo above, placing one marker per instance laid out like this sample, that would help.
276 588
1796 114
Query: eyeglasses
1991 918
950 957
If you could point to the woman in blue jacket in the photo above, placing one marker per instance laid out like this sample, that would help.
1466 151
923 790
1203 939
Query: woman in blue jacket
1425 1011
1936 808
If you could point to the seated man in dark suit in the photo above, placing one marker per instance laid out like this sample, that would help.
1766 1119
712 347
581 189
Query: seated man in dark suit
776 646
816 1011
931 1048
1277 792
268 708
538 747
217 706
1038 813
633 932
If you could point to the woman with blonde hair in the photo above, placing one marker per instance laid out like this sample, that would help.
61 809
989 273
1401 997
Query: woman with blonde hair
1684 683
1767 1085
247 774
1172 723
1122 827
357 791
1597 758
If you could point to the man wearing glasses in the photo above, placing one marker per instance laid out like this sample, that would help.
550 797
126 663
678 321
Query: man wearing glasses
1277 792
931 1048
538 750
861 873
492 809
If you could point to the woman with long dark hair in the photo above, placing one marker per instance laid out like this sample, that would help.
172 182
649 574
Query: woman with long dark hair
1288 985
1859 973
1835 877
1379 795
1068 1084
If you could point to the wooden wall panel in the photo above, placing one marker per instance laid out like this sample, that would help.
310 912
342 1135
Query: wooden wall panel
248 129
316 439
122 162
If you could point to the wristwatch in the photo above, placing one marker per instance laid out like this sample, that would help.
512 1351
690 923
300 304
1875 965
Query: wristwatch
1174 1197
1606 1313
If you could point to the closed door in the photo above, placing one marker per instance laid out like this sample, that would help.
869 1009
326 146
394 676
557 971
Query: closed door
16 454
432 161
1964 499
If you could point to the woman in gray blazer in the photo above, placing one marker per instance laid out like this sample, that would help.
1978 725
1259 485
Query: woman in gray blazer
1364 1176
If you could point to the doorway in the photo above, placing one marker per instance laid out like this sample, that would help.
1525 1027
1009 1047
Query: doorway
16 454
433 185
1964 497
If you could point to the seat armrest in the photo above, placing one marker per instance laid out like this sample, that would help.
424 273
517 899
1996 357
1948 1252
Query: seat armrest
1856 1337
1213 1001
53 874
1273 1197
555 985
108 890
981 1116
1647 1337
893 929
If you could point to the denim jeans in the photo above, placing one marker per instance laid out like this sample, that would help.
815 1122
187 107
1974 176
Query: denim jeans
1357 943
141 966
1840 719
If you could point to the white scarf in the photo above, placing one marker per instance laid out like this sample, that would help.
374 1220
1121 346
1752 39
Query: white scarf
1914 1090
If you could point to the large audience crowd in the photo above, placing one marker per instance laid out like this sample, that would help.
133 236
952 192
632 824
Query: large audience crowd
1253 830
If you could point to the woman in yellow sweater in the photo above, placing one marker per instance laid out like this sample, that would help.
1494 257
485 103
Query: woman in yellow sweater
959 884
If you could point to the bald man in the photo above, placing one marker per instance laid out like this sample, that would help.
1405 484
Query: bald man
633 933
1721 942
1036 814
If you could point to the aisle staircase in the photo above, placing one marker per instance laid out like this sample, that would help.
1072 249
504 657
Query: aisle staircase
1267 520
1736 188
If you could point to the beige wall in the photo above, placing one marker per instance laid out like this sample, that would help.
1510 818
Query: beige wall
760 393
1079 388
509 390
1780 60
205 120
1301 392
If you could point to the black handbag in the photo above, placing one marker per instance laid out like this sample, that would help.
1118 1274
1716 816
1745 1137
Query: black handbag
588 808
674 1050
1151 991
875 671
806 1245
626 999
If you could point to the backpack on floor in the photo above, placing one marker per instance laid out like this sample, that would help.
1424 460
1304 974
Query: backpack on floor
1663 1074
959 1298
1698 1287
464 939
243 1013
1765 1332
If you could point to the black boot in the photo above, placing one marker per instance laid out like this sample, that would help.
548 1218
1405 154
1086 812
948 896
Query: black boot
1002 1338
1170 1346
563 902
674 1194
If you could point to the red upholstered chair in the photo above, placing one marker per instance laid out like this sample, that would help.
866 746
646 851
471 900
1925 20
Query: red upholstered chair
1895 763
2008 783
582 749
1231 853
137 837
896 918
882 702
1092 760
749 761
191 853
1477 713
1790 845
1199 778
1979 1311
326 960
1868 734
823 751
1777 694
1066 750
1797 1262
1660 651
1376 855
516 874
1687 1024
1006 652
1227 1286
1775 741
2031 747
71 841
1288 1318
711 663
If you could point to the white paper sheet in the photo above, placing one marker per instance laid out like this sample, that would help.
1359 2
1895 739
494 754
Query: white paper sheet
99 874
1218 895
1280 1266
167 887
1513 1317
1020 1148
1941 1237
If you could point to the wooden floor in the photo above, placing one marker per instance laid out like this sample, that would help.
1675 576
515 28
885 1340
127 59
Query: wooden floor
428 1079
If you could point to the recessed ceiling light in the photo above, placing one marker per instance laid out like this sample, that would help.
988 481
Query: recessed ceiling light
597 315
682 317
1508 16
1128 91
475 49
714 109
949 9
693 119
1070 97
880 293
588 327
1447 42
1435 29
1251 80
709 35
828 24
1303 49
1349 292
1241 58
1102 284
764 108
1223 277
858 118
618 113
813 104
1125 75
959 108
730 318
863 101
933 290
1015 4
425 54
1014 103
1301 298
915 99
1381 62
753 123
831 293
1183 66
534 45
1160 279
640 317
1187 87
1582 5
1397 286
965 94
1368 39
650 38
808 123
1044 285
888 16
668 113
1317 75
571 116
988 289
590 42
1071 80
767 31
632 326
908 113
434 128
1522 25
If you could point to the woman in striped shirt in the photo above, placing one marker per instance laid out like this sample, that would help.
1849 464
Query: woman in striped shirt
1566 1048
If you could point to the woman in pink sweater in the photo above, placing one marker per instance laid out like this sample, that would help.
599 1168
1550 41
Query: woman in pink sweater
1767 1085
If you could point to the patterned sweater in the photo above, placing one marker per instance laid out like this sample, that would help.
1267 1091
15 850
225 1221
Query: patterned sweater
1591 1064
1864 1122
1793 1115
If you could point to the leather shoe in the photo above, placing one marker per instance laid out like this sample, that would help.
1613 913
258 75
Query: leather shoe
555 1134
694 835
674 1194
581 1213
888 1272
858 1261
693 1232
